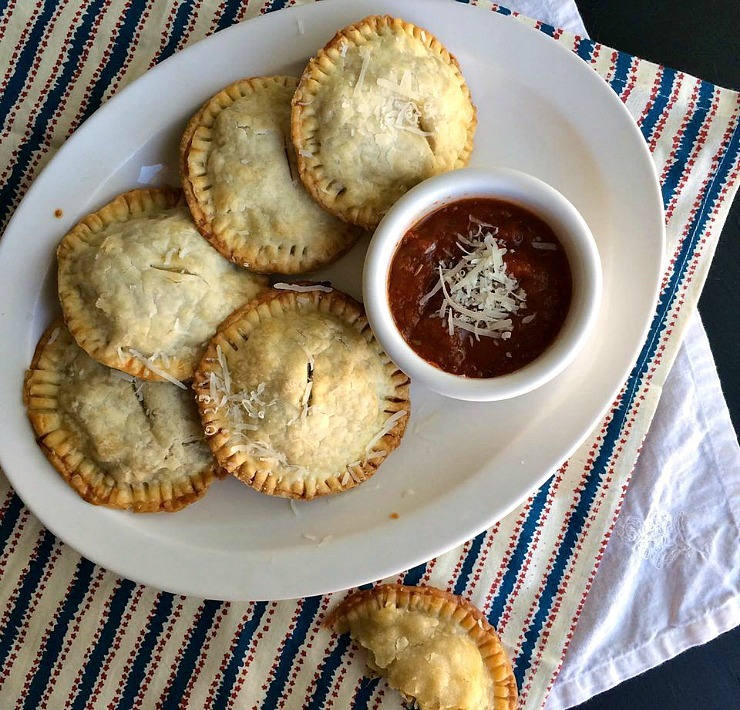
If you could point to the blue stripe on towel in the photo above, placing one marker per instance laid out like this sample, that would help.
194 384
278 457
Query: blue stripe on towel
665 88
186 664
78 590
8 520
466 568
177 30
28 588
38 129
155 627
102 647
498 604
24 63
238 655
328 669
229 13
292 644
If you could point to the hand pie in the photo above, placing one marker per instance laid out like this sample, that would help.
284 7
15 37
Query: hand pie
141 290
118 441
296 396
432 646
380 108
241 182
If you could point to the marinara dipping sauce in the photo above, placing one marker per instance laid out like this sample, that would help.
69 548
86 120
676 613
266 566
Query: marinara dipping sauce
479 288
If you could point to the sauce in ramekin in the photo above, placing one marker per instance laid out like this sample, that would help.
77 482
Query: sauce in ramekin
480 288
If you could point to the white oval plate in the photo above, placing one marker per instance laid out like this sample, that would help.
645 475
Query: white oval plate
461 466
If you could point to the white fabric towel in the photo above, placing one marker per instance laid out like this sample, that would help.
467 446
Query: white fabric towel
670 576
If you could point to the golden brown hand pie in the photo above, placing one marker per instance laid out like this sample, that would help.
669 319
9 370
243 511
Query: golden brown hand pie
430 645
141 290
241 181
296 396
380 108
118 441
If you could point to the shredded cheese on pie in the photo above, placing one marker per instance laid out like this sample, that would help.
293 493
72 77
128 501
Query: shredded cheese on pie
264 452
479 295
387 426
363 70
122 375
303 289
252 404
403 88
149 363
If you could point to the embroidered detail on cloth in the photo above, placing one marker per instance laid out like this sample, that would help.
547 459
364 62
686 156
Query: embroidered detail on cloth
660 538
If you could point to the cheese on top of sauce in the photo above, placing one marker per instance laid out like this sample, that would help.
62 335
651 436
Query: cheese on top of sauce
479 295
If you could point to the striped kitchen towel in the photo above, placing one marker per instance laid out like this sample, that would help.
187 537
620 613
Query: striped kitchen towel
73 635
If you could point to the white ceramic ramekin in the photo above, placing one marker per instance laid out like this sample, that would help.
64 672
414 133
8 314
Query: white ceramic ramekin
522 189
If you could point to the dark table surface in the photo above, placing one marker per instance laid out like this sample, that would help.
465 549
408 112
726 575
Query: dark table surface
703 39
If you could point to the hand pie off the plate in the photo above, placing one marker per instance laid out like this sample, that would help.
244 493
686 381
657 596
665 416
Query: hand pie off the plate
141 290
118 441
430 645
296 396
241 182
380 108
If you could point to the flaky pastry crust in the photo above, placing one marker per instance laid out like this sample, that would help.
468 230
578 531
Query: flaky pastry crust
380 108
240 177
141 290
118 441
296 396
430 645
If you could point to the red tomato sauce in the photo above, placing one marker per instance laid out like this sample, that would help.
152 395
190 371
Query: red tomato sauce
534 257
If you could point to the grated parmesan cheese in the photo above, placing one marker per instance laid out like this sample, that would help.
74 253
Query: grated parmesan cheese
137 390
149 364
262 451
479 295
305 399
402 89
387 426
224 369
303 289
365 54
402 115
122 375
